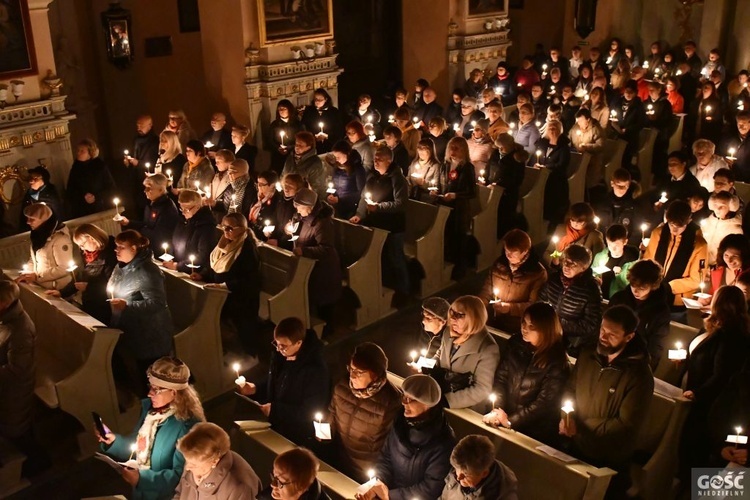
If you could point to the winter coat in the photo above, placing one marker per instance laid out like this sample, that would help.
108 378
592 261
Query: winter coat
682 189
348 186
221 139
51 261
480 153
91 176
611 402
296 390
420 177
528 393
246 152
527 136
17 367
317 240
146 322
361 425
508 172
285 211
160 219
230 479
621 210
611 282
556 159
653 318
49 196
714 230
194 236
478 356
167 463
311 168
682 282
364 148
333 125
593 138
705 175
314 492
579 307
96 276
730 407
203 173
416 458
219 184
243 278
500 484
175 166
410 137
225 204
519 288
290 129
593 240
391 192
146 148
267 212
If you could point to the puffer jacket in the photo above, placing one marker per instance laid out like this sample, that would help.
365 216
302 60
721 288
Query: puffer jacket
146 321
364 148
203 173
348 186
416 456
360 425
500 484
714 230
317 241
520 288
17 338
96 275
529 394
51 261
653 318
311 168
611 401
232 479
195 236
478 356
391 192
579 307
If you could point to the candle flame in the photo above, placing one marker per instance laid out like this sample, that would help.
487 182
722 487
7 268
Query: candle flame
493 398
678 345
371 474
236 367
133 447
496 291
165 246
318 416
266 222
413 354
738 429
116 201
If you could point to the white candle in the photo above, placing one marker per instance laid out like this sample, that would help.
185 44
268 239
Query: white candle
597 220
493 399
390 119
192 261
320 124
495 293
240 380
117 216
413 356
497 90
473 123
645 65
555 240
538 155
322 429
25 269
281 135
544 67
330 189
148 167
512 125
732 152
415 120
209 144
278 187
567 408
678 353
538 124
126 152
708 109
663 198
111 291
133 449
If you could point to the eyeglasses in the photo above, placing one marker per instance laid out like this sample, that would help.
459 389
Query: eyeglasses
187 209
226 229
455 314
156 390
281 347
277 483
354 372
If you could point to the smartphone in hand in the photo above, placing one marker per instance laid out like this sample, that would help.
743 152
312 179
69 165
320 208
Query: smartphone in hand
99 424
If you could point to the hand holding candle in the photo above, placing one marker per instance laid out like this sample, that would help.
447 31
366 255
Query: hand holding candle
117 216
678 353
111 292
322 429
192 262
495 295
240 380
268 228
568 409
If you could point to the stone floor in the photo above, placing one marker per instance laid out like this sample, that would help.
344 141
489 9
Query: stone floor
70 479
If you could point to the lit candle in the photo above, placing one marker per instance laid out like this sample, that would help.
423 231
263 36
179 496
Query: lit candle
330 189
455 127
320 124
192 262
369 118
240 380
538 124
473 123
278 187
579 132
25 269
737 438
117 216
281 135
497 90
678 353
597 220
209 144
663 198
433 185
493 399
72 269
708 109
512 125
645 65
413 356
679 71
371 474
567 408
322 429
732 152
544 67
111 291
390 119
538 155
234 200
520 84
133 449
148 167
555 240
415 120
169 175
551 89
496 294
126 152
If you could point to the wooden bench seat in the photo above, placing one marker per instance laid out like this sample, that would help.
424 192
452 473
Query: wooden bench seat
484 226
260 448
532 202
579 165
644 159
360 249
425 243
612 154
196 314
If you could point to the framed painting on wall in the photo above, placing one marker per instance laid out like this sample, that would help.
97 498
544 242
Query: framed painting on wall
17 57
482 8
284 21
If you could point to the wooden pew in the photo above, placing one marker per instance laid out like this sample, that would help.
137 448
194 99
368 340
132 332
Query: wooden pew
261 447
743 191
74 364
645 156
15 250
507 111
670 371
579 164
612 153
425 243
659 441
11 464
284 279
359 249
196 314
675 140
575 480
532 202
484 226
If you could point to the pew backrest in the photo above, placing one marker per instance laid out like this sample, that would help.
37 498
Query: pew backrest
667 370
425 241
532 202
645 155
612 153
284 280
579 164
743 191
675 139
484 225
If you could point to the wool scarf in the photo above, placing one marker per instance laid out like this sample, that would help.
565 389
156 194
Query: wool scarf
226 252
571 236
368 391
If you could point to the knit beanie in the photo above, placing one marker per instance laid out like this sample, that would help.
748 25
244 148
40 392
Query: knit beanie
369 356
437 306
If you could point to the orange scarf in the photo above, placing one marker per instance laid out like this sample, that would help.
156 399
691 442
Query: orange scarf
571 236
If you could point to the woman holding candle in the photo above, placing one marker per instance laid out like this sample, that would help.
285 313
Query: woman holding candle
282 132
362 410
324 120
198 171
469 113
348 181
40 191
297 385
356 136
195 235
170 411
306 162
480 148
99 260
242 149
171 160
729 417
139 306
409 134
714 356
732 261
513 283
294 477
468 355
710 114
579 229
235 264
555 156
159 218
262 215
90 185
220 185
724 220
528 133
530 380
587 136
597 104
507 170
51 249
423 171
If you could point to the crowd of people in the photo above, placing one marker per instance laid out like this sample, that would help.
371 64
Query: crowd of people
601 289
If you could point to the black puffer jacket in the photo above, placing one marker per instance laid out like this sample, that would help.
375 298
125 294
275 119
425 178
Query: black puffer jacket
531 395
653 318
416 456
195 236
296 390
391 192
579 307
317 241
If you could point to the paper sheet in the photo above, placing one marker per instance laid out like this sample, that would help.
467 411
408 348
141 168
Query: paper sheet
666 389
322 430
601 269
691 303
109 461
564 457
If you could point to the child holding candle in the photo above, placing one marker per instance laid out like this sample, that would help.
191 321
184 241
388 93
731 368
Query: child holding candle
578 228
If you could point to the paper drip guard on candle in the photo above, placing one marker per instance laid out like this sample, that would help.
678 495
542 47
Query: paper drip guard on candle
678 353
365 487
192 263
322 429
331 189
166 257
737 438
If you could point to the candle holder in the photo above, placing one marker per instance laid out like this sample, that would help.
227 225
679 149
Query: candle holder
117 217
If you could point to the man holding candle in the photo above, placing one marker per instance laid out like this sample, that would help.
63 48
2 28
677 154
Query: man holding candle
738 140
305 162
90 184
324 120
159 218
434 321
416 455
218 135
611 389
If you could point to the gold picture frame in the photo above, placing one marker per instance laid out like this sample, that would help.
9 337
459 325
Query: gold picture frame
485 8
287 21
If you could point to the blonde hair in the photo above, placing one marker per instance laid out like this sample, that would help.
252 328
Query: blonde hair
189 196
173 144
460 144
187 405
204 442
301 465
94 232
91 146
476 312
